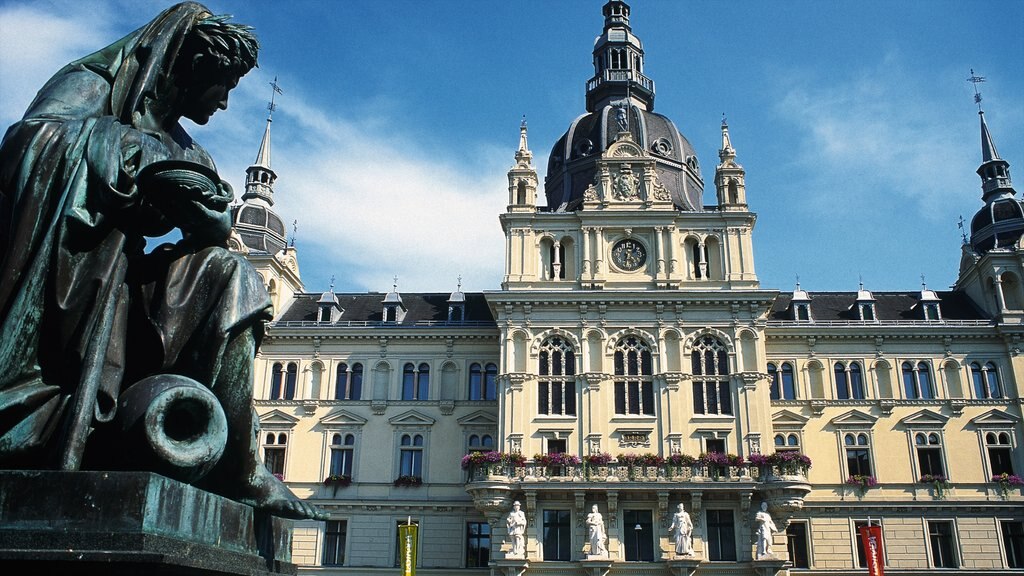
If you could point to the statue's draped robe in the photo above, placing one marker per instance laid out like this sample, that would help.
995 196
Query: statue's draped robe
83 312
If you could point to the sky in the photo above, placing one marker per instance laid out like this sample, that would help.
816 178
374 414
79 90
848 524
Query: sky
399 120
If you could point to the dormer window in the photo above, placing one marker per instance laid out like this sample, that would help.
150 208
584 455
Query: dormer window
931 311
866 305
929 302
801 305
328 308
325 313
802 312
394 309
867 311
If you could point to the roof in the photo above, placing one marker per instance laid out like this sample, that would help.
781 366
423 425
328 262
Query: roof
839 306
366 307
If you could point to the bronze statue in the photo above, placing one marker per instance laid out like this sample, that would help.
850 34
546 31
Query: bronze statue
111 358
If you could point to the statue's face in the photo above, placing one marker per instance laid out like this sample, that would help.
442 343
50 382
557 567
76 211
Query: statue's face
202 100
594 508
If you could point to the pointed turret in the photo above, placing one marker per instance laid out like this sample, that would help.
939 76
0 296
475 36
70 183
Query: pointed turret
618 63
522 178
1000 223
730 176
260 177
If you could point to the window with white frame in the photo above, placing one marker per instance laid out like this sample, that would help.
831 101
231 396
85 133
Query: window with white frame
917 381
798 544
986 381
849 381
928 446
349 382
483 381
942 543
275 445
342 454
556 387
283 379
787 442
416 381
634 389
411 455
335 533
857 446
783 384
1013 542
710 364
1000 451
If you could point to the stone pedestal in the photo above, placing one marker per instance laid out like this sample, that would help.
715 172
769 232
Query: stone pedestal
120 523
769 566
596 565
509 567
683 565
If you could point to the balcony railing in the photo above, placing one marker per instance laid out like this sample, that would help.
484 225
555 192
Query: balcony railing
618 472
381 324
620 76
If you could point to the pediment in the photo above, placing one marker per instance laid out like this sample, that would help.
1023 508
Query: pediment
854 419
342 418
411 418
624 148
995 419
925 419
277 418
788 419
479 418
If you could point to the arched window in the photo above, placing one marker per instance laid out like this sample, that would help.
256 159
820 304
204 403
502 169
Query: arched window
711 393
481 443
787 442
634 390
917 381
416 381
858 454
999 451
274 452
291 377
349 383
849 381
411 455
556 388
929 453
775 390
276 379
483 382
342 453
986 381
783 385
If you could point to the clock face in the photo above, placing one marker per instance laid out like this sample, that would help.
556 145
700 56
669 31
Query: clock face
629 255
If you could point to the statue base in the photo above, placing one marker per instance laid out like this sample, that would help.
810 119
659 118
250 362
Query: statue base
683 565
769 565
509 567
120 523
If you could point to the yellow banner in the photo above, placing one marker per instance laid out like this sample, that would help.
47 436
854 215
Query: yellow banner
407 548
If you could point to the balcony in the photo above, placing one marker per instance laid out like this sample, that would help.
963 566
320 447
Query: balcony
536 475
618 77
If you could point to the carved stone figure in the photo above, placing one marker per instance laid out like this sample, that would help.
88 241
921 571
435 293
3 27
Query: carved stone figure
625 184
516 524
682 532
765 529
595 532
111 358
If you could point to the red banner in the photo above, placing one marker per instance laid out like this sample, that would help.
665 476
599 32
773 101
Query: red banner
871 537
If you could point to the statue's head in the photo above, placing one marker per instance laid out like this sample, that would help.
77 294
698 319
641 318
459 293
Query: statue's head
594 508
680 507
764 506
515 505
214 55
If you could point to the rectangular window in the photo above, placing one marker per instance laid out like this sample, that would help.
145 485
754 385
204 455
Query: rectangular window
398 541
1013 543
712 397
999 460
638 528
274 459
858 461
721 536
478 544
556 535
940 536
714 445
862 556
334 542
796 542
556 446
930 461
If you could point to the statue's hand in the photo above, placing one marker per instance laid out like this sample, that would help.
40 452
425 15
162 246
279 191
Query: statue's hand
191 197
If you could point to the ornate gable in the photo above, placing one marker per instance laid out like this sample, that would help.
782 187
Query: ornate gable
925 419
480 418
411 418
788 420
277 419
995 419
342 418
854 419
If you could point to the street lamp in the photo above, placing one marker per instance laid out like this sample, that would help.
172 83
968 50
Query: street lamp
636 530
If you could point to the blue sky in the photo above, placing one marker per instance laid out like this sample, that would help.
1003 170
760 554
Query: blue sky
399 120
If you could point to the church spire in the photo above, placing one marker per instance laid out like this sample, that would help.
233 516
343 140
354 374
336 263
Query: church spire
260 177
729 175
523 155
522 178
618 63
994 171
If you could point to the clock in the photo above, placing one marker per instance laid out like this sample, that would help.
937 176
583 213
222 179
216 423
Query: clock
629 255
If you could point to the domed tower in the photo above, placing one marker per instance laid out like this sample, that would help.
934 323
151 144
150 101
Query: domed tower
991 268
620 101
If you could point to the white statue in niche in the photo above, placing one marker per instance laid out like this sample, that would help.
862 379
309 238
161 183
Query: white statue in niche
595 530
682 530
516 524
765 529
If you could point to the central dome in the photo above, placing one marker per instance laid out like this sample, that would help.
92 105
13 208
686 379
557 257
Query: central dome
620 98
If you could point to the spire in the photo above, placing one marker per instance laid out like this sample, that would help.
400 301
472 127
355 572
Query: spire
263 156
727 151
523 155
260 177
988 146
618 63
730 177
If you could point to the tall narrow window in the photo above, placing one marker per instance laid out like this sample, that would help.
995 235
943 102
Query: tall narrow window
478 544
796 542
556 388
634 391
986 381
929 453
849 381
711 393
557 535
399 545
940 536
1013 543
917 381
638 528
274 452
782 386
721 536
775 390
415 381
862 555
483 382
276 380
335 532
411 455
858 454
342 454
291 377
998 445
349 383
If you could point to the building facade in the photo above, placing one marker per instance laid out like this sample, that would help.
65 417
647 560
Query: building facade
631 363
